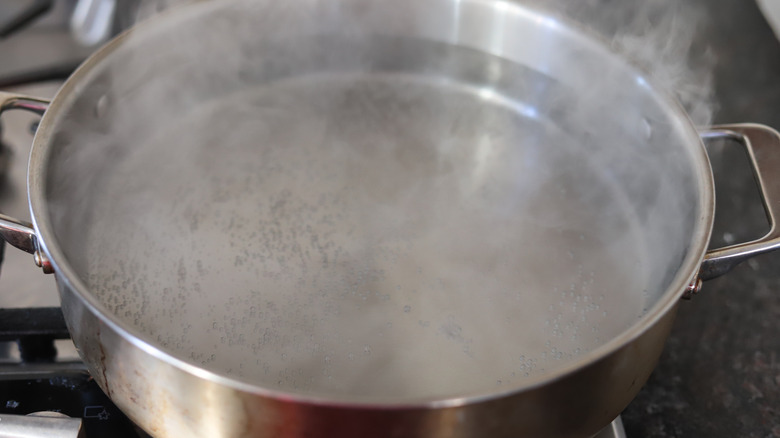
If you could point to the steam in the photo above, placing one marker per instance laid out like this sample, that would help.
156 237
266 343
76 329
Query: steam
660 36
287 198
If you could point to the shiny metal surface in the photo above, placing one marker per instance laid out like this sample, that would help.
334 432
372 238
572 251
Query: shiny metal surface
614 430
174 397
44 424
14 101
693 288
167 401
23 285
422 94
328 409
19 234
763 146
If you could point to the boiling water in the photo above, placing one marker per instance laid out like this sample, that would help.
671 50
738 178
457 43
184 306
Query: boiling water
370 235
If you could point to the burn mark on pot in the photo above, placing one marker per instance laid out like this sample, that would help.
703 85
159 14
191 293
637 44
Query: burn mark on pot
102 359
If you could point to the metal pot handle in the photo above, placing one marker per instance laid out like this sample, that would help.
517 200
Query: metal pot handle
762 144
20 233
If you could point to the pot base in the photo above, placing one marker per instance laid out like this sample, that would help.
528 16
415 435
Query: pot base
614 430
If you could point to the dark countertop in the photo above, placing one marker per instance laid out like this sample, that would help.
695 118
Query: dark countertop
719 375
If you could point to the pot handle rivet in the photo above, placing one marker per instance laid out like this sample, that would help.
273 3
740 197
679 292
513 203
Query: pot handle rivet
43 262
693 288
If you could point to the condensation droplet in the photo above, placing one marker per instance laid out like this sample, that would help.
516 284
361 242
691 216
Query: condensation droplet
101 106
648 128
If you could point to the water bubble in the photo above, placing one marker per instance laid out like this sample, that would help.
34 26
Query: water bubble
407 309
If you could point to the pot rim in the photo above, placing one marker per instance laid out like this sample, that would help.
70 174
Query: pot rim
80 79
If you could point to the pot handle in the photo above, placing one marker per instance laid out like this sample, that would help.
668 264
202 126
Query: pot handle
762 144
18 233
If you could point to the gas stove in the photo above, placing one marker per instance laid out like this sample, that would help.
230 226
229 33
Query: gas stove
719 377
39 382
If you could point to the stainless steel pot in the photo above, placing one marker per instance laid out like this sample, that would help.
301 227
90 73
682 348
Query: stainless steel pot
353 218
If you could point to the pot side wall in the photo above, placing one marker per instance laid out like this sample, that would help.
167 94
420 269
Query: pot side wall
170 402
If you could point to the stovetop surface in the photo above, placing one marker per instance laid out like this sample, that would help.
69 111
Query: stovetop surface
720 373
73 393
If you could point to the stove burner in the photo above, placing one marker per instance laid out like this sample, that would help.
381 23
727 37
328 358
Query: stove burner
34 330
70 391
40 383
